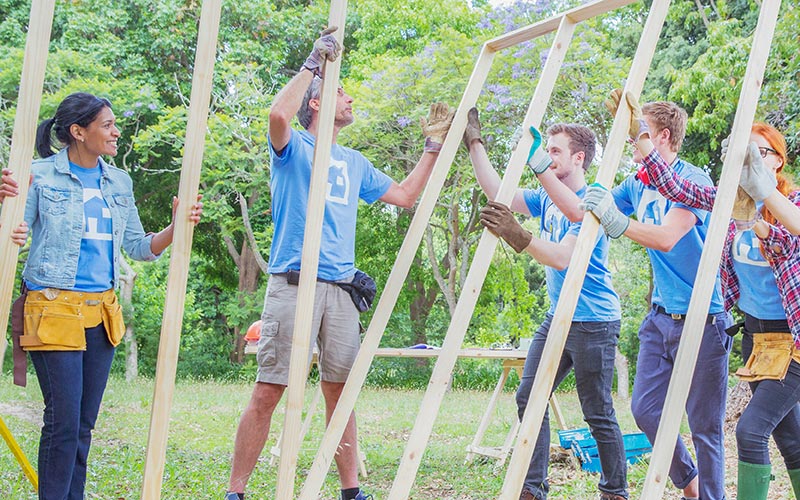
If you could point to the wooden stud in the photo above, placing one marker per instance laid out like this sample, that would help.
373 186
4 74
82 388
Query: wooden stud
584 246
394 284
301 340
420 434
686 359
23 139
172 322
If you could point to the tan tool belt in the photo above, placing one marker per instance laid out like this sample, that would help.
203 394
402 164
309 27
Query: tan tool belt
56 320
772 354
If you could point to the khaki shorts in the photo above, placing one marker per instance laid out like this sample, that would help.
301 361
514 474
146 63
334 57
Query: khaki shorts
334 328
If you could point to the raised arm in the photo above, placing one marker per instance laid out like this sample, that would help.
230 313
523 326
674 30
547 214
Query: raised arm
288 101
487 176
435 129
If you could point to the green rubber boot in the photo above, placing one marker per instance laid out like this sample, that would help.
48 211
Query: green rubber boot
794 475
753 481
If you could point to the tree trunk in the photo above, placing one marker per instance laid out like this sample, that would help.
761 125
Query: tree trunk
249 272
127 280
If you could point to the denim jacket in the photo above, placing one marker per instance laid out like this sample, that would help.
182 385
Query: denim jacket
54 213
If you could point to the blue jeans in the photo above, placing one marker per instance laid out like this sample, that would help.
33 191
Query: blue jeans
72 384
659 336
773 409
590 350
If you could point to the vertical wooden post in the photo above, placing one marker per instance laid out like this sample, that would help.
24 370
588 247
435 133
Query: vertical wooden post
301 340
202 81
394 284
584 246
420 434
22 142
692 334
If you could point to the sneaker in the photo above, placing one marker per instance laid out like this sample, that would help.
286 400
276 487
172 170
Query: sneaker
604 495
363 496
527 495
231 495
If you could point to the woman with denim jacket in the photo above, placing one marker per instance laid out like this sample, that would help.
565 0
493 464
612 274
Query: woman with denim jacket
760 272
81 212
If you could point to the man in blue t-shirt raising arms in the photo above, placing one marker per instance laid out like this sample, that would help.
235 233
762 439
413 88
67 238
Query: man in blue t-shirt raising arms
335 326
594 332
673 235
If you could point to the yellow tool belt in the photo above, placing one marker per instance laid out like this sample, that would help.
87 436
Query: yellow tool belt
772 354
56 320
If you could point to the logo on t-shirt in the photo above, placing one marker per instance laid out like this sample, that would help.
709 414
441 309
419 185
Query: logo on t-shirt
746 249
338 183
98 216
552 224
652 207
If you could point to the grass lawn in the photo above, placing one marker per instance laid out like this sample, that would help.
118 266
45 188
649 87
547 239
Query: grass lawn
204 420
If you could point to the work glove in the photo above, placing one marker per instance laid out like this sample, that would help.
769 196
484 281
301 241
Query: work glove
756 179
326 48
473 130
538 159
637 126
500 221
599 201
744 213
435 127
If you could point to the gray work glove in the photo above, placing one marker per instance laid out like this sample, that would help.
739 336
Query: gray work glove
538 159
500 221
637 126
756 179
326 48
435 127
599 201
473 131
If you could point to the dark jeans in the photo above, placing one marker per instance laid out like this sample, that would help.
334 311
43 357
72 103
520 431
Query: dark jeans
72 384
659 337
590 350
773 409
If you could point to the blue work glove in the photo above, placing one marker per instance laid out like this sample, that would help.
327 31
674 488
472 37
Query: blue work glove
538 159
599 201
757 180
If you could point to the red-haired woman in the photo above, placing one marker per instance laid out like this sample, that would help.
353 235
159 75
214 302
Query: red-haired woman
760 272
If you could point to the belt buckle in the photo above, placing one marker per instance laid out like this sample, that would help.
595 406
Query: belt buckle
676 317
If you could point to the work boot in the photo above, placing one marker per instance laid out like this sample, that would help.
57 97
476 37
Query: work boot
794 476
753 481
527 495
604 495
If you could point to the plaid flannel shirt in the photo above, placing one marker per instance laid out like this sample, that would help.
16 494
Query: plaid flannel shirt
781 247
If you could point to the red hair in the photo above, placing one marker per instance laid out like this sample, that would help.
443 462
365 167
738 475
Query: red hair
778 143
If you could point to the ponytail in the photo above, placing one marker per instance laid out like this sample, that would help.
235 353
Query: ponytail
44 138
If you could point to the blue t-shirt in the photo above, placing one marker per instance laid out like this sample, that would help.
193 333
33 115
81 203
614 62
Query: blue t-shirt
759 295
598 301
674 271
350 177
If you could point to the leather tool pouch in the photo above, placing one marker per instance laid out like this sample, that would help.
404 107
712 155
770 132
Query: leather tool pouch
770 359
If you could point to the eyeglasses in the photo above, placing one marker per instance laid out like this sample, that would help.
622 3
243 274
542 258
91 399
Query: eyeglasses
765 151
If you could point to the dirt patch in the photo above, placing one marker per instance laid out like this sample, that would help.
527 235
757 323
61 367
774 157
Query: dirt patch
27 411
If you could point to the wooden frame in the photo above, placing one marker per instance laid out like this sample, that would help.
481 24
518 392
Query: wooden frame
23 139
172 322
309 263
692 334
565 23
27 469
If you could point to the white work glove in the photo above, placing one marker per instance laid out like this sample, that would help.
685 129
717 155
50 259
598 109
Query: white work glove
538 159
757 180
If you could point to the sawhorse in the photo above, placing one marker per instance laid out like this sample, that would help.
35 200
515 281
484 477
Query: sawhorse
501 453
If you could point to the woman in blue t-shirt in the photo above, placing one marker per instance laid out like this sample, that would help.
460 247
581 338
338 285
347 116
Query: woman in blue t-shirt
81 212
760 272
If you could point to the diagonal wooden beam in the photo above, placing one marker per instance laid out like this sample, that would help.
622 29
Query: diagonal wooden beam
301 340
22 142
440 379
686 359
168 346
584 246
